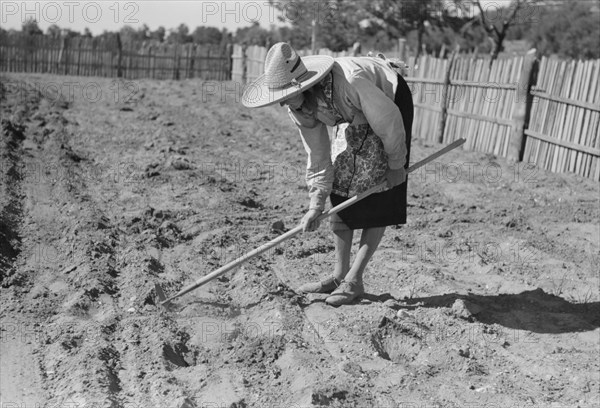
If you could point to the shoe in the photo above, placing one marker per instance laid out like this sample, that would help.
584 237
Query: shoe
345 294
324 286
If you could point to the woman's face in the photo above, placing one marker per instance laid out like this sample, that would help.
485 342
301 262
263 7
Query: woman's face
295 102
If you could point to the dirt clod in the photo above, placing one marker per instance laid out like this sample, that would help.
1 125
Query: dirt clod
465 309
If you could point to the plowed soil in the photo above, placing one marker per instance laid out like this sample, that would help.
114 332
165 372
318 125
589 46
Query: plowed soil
488 297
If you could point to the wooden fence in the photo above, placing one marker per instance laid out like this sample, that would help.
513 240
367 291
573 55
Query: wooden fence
563 132
109 57
544 112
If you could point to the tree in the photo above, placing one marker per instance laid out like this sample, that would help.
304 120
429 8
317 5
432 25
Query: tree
68 33
158 34
143 33
497 31
53 31
128 34
180 35
30 27
252 35
399 18
569 30
338 22
207 35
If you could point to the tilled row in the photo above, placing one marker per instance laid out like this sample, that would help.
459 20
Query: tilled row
11 204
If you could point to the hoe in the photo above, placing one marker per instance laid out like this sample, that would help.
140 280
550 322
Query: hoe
164 301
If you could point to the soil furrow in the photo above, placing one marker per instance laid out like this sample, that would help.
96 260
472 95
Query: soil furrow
487 296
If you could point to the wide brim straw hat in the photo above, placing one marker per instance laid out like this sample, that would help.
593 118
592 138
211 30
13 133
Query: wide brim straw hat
286 75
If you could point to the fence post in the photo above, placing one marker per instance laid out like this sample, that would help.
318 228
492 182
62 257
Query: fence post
62 53
228 63
402 49
78 55
244 64
522 108
151 62
119 56
176 64
192 61
444 102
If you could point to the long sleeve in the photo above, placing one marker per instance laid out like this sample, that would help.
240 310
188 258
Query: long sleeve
384 117
319 169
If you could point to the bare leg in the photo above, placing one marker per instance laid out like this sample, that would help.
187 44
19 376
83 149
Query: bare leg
343 246
369 241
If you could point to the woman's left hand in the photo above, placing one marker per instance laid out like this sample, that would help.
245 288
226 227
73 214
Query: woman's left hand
310 220
395 177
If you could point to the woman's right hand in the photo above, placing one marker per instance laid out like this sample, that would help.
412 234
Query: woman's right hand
309 221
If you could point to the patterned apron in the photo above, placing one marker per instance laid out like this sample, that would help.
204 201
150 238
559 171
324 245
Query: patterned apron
357 153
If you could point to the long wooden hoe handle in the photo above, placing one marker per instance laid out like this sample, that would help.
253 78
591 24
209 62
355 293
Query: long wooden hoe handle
265 247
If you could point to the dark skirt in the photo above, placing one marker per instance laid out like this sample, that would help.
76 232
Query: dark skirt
388 207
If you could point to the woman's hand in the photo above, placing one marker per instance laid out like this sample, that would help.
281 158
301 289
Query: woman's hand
395 177
309 221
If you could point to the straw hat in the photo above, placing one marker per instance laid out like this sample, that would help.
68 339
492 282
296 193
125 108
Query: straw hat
286 75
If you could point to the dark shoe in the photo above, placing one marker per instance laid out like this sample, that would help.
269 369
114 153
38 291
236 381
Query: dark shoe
345 294
324 286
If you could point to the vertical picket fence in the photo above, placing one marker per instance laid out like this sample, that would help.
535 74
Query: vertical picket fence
563 133
255 61
553 123
481 100
238 65
547 113
109 57
425 79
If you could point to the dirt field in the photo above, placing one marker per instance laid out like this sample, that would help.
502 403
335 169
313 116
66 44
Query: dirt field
488 297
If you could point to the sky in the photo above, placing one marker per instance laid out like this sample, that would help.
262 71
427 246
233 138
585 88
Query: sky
111 15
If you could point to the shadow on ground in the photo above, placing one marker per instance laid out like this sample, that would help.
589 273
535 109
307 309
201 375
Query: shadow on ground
534 310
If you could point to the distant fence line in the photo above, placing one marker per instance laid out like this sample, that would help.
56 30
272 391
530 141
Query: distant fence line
544 111
109 57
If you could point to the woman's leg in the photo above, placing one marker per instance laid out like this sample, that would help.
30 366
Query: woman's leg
369 241
343 246
352 287
342 238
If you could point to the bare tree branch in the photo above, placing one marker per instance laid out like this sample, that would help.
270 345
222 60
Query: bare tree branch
490 28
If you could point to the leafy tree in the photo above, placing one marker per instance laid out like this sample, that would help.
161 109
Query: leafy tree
290 35
399 18
158 34
338 22
53 31
253 35
128 34
180 35
497 31
207 35
30 27
70 33
568 30
226 37
143 33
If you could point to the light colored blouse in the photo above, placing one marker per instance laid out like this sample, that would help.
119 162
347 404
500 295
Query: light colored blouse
363 92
